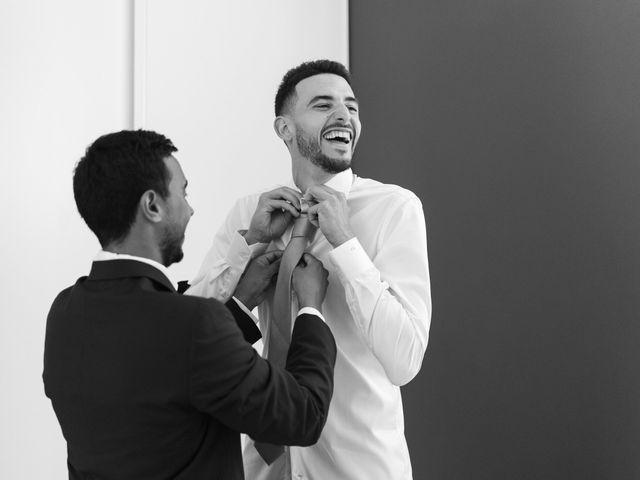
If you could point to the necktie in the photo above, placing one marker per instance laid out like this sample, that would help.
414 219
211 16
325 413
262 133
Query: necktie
280 326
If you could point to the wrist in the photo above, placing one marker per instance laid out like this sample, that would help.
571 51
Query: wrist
340 239
250 237
316 305
244 300
311 303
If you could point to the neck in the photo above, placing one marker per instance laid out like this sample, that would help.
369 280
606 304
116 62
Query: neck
306 174
139 247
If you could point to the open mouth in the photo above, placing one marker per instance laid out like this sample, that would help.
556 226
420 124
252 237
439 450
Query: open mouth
338 136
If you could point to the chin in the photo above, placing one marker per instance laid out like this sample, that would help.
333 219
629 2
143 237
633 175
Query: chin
172 255
331 165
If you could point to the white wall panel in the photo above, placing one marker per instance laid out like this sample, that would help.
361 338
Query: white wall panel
65 78
206 76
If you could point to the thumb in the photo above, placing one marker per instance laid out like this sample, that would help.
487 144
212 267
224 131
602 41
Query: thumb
271 256
273 267
308 259
312 214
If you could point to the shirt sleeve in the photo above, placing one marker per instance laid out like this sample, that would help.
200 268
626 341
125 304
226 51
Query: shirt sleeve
310 311
246 321
228 256
389 295
246 310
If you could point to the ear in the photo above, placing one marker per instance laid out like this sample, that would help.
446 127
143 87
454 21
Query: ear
151 206
284 128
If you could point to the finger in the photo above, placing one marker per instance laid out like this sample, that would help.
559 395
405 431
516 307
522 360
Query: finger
272 256
282 205
285 193
287 217
313 219
309 259
273 268
312 214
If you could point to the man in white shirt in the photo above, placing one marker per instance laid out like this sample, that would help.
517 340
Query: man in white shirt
372 240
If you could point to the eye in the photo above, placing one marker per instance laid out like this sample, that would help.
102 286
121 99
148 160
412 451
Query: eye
353 109
322 106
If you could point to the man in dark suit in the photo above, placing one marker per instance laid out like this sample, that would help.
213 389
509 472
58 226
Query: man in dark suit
150 384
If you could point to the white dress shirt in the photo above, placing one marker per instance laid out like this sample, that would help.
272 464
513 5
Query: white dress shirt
378 306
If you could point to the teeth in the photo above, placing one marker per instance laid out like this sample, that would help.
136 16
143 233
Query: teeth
346 136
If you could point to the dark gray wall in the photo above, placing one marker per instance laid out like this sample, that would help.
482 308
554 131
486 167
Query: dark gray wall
518 125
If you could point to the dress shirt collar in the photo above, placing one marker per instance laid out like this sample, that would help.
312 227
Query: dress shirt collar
340 181
103 255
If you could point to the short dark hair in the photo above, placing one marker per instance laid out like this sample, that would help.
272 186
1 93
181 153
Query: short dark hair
287 87
112 176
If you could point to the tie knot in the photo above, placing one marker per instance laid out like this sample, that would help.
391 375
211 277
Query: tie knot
305 204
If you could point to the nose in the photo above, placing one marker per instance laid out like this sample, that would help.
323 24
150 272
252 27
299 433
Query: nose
191 211
342 113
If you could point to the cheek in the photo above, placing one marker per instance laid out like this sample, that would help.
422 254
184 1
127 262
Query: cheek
312 126
358 130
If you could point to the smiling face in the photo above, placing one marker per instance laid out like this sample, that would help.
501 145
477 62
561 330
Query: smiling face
325 121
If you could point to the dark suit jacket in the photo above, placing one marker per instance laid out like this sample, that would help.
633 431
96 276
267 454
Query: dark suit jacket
150 384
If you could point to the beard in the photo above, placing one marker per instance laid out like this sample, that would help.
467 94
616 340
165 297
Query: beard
310 148
171 246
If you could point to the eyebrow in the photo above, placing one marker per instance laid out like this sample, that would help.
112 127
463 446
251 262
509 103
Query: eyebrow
330 98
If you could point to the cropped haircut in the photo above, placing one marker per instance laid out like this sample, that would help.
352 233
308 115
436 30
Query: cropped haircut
287 89
112 176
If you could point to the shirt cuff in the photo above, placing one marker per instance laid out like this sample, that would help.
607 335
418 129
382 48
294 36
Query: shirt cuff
350 259
244 308
310 311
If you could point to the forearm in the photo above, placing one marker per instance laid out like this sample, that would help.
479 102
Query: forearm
223 266
245 392
310 361
390 299
396 332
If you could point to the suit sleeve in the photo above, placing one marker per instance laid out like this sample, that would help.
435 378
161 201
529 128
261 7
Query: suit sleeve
246 324
231 382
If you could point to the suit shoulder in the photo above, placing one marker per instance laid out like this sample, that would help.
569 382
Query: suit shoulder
63 297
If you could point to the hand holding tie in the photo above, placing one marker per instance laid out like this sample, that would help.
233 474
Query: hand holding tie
310 281
259 275
276 209
330 213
